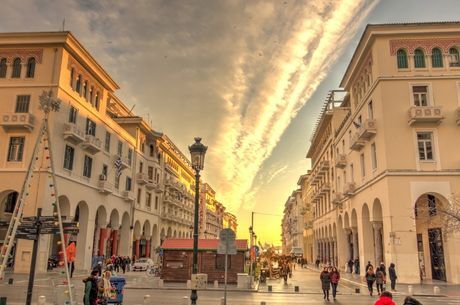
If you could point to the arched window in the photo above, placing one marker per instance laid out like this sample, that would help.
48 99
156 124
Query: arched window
96 100
85 89
78 84
419 58
16 68
454 59
401 57
72 75
10 202
436 58
30 68
3 68
91 92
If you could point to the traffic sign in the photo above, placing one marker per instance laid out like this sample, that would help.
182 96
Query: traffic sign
227 243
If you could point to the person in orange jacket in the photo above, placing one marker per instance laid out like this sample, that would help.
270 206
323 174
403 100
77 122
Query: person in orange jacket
71 251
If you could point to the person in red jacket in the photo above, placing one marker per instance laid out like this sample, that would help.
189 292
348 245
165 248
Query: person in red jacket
386 298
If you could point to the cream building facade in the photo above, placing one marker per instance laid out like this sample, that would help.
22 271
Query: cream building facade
385 161
292 224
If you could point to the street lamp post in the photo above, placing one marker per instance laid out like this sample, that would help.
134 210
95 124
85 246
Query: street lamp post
197 152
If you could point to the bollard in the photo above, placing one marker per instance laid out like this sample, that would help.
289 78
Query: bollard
410 290
10 281
146 299
216 284
296 288
185 300
222 301
357 290
41 300
189 284
270 288
161 283
2 300
436 290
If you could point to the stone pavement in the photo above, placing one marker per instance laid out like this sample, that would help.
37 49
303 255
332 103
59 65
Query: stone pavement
424 289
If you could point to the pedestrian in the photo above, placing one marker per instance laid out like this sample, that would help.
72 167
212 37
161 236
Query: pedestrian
368 265
105 288
317 263
386 298
123 264
370 279
383 268
393 277
357 266
411 301
379 280
335 277
70 253
284 271
98 268
91 289
350 266
325 278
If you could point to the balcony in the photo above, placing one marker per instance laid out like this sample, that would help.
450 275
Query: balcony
349 189
458 117
308 225
124 161
104 187
325 188
142 178
337 198
127 196
91 144
18 121
367 130
151 184
356 143
324 165
341 161
429 114
73 134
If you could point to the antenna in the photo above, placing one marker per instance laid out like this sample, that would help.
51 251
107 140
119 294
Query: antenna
63 24
131 110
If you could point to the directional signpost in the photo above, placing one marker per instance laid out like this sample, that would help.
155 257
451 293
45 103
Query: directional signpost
227 246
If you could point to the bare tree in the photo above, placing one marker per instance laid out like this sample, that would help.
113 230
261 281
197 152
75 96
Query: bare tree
431 211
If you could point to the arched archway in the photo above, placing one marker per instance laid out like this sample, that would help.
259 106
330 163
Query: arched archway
123 248
83 256
430 236
169 233
113 234
8 201
137 234
64 207
377 225
101 232
367 238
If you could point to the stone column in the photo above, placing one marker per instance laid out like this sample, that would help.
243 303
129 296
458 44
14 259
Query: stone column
378 247
137 249
104 233
115 242
354 231
147 248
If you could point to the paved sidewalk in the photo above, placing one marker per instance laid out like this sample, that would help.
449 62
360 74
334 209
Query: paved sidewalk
424 289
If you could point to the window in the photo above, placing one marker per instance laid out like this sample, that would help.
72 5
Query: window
339 185
139 192
436 58
401 57
141 167
419 58
73 115
22 103
10 202
150 172
3 68
431 205
128 184
30 68
68 157
220 262
96 101
120 148
105 171
91 92
16 68
352 173
374 156
16 149
151 150
454 58
370 110
156 202
363 168
107 141
90 127
425 146
78 84
420 94
117 182
87 166
148 199
130 156
72 75
85 90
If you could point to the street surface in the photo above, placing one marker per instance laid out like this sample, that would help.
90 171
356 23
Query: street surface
138 285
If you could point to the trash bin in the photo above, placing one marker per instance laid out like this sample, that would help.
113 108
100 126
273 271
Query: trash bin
117 283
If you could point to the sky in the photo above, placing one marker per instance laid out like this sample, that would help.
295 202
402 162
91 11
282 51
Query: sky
247 76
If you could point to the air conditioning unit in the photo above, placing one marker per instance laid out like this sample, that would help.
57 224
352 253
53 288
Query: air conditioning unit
102 177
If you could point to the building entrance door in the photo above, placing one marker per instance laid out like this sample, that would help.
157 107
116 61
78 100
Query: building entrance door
437 254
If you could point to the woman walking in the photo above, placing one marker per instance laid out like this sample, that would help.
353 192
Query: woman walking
325 278
370 279
379 280
335 277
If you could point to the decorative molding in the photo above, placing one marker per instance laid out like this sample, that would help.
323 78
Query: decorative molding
79 70
426 44
24 54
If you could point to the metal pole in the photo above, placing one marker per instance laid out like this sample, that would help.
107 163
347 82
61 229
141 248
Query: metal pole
33 262
226 270
194 295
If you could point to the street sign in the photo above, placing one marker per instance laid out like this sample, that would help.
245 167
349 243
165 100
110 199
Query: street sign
26 236
227 243
27 230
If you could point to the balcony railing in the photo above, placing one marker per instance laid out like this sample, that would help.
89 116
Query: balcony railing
324 165
357 143
92 144
73 134
151 184
349 189
142 178
428 114
105 187
341 161
23 121
127 196
367 130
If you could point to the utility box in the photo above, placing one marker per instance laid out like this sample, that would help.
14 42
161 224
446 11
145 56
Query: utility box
199 281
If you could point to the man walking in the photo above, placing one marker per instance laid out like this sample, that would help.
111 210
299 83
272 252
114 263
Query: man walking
393 276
